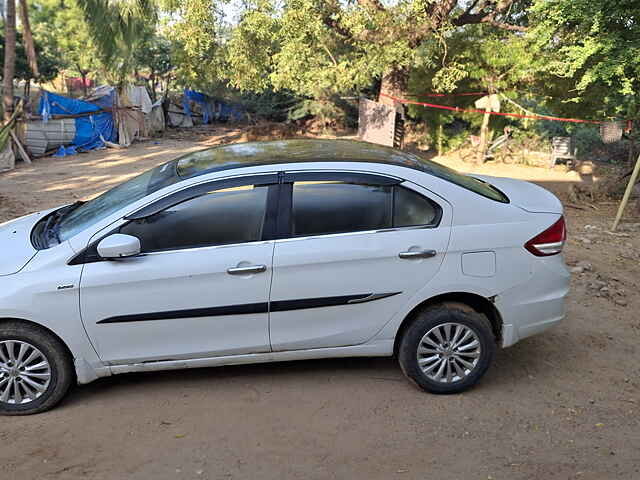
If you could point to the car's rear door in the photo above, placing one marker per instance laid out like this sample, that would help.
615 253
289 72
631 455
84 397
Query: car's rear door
200 287
357 248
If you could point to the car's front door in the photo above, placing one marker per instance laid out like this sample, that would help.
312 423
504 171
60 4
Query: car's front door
200 288
357 251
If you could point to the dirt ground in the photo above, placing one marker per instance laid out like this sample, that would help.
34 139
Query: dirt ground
562 405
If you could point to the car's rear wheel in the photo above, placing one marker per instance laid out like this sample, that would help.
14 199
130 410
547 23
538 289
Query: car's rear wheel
447 349
36 370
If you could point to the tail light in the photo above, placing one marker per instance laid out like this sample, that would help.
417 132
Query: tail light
549 242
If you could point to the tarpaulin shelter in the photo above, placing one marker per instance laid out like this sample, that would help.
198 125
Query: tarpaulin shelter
204 102
133 105
210 108
93 118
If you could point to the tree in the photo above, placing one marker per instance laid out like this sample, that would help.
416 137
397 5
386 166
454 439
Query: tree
197 38
60 29
593 43
154 56
9 58
49 63
117 28
317 48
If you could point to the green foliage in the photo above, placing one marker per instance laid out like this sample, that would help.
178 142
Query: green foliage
48 61
590 41
330 113
118 28
195 37
60 26
154 55
249 52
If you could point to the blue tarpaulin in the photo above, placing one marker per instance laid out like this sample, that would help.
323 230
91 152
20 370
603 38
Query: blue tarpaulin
202 100
92 130
211 109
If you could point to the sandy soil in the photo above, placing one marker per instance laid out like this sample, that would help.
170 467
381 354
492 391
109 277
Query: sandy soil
563 405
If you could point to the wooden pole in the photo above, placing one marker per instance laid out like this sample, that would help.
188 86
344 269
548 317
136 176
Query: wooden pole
627 194
23 153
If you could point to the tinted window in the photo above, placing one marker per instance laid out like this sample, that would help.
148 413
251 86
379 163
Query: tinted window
335 207
465 181
111 201
410 208
234 215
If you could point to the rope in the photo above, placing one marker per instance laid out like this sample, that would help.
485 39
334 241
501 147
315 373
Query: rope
502 114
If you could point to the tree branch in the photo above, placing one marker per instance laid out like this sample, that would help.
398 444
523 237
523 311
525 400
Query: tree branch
333 7
507 26
488 17
372 4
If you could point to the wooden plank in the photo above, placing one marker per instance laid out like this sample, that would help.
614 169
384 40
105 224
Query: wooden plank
627 194
23 153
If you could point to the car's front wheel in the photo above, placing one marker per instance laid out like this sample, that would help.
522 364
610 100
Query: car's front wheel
447 349
36 370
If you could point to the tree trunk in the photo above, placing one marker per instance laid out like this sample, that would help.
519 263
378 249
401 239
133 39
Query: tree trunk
83 76
484 134
28 38
152 79
9 58
27 91
394 84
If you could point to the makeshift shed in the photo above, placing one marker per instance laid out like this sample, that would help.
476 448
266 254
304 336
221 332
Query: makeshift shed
94 124
204 104
133 107
178 117
206 109
155 119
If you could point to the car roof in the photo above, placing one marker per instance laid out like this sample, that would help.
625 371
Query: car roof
240 155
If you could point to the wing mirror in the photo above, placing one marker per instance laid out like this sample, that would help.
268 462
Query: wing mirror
119 246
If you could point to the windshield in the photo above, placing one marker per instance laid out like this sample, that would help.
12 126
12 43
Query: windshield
111 201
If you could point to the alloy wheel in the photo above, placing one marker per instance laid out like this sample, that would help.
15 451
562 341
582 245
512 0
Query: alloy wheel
448 352
25 373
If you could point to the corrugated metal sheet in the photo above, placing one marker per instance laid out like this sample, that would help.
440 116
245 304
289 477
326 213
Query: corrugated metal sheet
40 137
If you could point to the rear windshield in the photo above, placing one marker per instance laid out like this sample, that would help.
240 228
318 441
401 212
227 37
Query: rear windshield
465 181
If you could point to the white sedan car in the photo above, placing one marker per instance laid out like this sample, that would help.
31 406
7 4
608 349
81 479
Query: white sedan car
273 251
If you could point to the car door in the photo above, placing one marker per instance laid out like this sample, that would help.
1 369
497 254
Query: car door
200 287
359 246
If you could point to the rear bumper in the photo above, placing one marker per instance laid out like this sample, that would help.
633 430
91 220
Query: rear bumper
536 305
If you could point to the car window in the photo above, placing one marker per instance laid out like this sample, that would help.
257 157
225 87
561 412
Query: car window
325 207
412 209
337 207
233 215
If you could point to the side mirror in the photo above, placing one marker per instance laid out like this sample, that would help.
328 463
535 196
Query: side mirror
119 246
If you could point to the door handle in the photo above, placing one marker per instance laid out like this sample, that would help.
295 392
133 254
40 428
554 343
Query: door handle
247 270
418 254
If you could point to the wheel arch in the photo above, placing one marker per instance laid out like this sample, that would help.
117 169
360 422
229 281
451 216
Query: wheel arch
4 320
478 303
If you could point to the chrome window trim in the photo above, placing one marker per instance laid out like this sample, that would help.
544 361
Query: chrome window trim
360 232
207 247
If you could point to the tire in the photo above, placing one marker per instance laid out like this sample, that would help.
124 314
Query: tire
48 384
423 333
